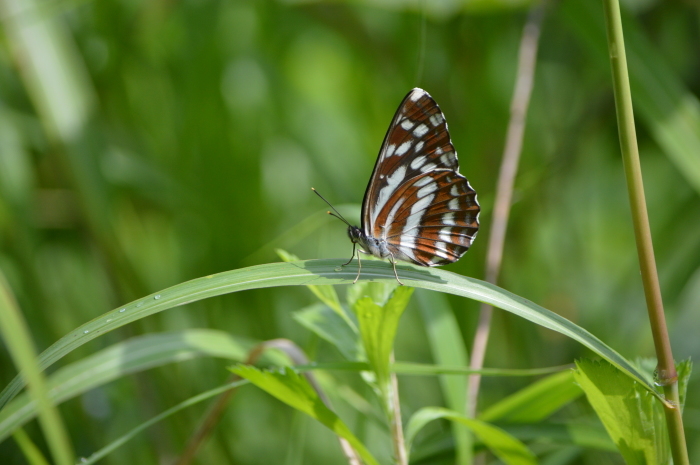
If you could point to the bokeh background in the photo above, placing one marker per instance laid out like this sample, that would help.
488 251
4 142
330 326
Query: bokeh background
145 143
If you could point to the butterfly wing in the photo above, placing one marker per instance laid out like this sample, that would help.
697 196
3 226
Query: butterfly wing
416 199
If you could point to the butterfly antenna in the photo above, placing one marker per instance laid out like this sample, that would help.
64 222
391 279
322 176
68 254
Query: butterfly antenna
337 213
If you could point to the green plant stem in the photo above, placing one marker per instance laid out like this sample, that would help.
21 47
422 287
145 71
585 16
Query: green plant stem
667 375
400 453
16 336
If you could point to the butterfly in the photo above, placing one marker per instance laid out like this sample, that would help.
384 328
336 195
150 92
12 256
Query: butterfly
417 207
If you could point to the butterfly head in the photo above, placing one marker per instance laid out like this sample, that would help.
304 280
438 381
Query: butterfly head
355 234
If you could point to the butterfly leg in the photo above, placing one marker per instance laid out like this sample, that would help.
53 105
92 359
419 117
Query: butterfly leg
353 255
359 268
393 262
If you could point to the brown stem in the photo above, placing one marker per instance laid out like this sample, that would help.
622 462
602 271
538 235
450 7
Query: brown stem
527 57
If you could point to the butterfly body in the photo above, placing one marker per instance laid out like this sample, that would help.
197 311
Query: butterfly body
417 207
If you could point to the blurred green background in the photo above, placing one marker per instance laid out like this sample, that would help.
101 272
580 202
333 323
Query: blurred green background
145 143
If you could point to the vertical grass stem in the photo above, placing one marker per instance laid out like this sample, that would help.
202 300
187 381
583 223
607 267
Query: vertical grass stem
667 376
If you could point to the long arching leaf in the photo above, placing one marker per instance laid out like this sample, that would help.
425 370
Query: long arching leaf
324 272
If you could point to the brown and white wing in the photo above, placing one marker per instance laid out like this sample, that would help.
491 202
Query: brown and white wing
416 199
436 220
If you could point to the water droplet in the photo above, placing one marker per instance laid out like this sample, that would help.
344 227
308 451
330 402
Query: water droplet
86 331
108 320
339 268
122 310
83 459
157 297
139 304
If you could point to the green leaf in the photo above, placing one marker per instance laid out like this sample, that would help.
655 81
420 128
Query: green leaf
131 356
630 414
379 292
684 370
294 390
325 294
378 328
503 445
323 272
326 324
536 401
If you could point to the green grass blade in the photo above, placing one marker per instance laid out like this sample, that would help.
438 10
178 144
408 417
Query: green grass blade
32 454
56 77
325 294
508 449
420 369
328 325
448 348
171 411
323 272
586 434
18 340
536 401
295 391
134 355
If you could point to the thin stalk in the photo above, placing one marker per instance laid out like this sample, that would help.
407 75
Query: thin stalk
667 375
395 420
15 334
527 56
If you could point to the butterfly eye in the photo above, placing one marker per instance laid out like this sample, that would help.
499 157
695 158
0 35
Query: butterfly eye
353 233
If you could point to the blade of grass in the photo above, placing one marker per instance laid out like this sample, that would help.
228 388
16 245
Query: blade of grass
448 348
16 334
32 454
134 432
642 232
296 391
213 416
507 448
535 402
131 356
324 272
